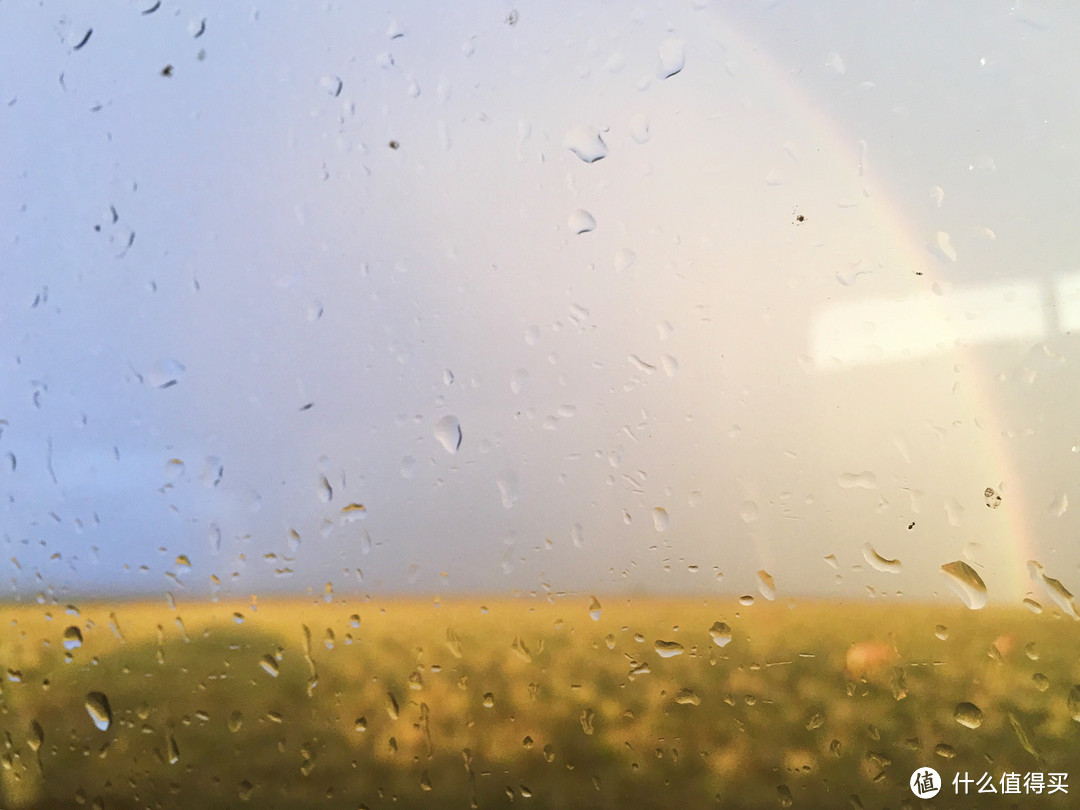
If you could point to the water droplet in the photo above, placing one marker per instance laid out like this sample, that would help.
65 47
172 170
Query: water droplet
244 790
1041 682
235 721
661 521
668 649
766 585
879 563
1057 592
392 706
992 498
941 631
72 638
172 751
581 221
746 600
672 58
332 85
97 706
815 720
35 736
1060 505
577 536
862 480
686 697
721 634
509 489
749 511
943 246
1073 702
595 610
586 143
489 700
269 665
324 491
448 432
945 751
588 716
639 129
967 583
968 715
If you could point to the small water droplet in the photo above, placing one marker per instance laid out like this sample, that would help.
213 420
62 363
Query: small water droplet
244 790
235 721
672 58
968 715
324 491
815 720
992 498
687 697
586 143
588 717
966 583
269 665
448 432
595 610
72 638
661 521
1041 682
879 563
746 600
581 221
721 634
941 631
489 700
392 706
97 706
639 129
668 649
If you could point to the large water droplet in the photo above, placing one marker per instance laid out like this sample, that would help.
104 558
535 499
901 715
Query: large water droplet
448 432
35 736
766 585
967 583
97 706
269 665
172 751
508 488
72 638
661 521
968 715
1057 592
687 697
586 143
879 563
672 58
668 649
1074 702
581 221
721 634
595 610
862 480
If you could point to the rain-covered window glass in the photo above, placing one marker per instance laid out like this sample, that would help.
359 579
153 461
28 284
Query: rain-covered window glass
575 405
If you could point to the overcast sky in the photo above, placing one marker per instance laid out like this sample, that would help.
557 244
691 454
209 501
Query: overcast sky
475 297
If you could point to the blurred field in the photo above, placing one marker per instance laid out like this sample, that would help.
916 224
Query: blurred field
409 704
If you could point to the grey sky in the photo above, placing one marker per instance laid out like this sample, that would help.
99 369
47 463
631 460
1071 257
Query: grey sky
827 296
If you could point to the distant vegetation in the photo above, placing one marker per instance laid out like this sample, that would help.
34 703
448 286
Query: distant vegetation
605 704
